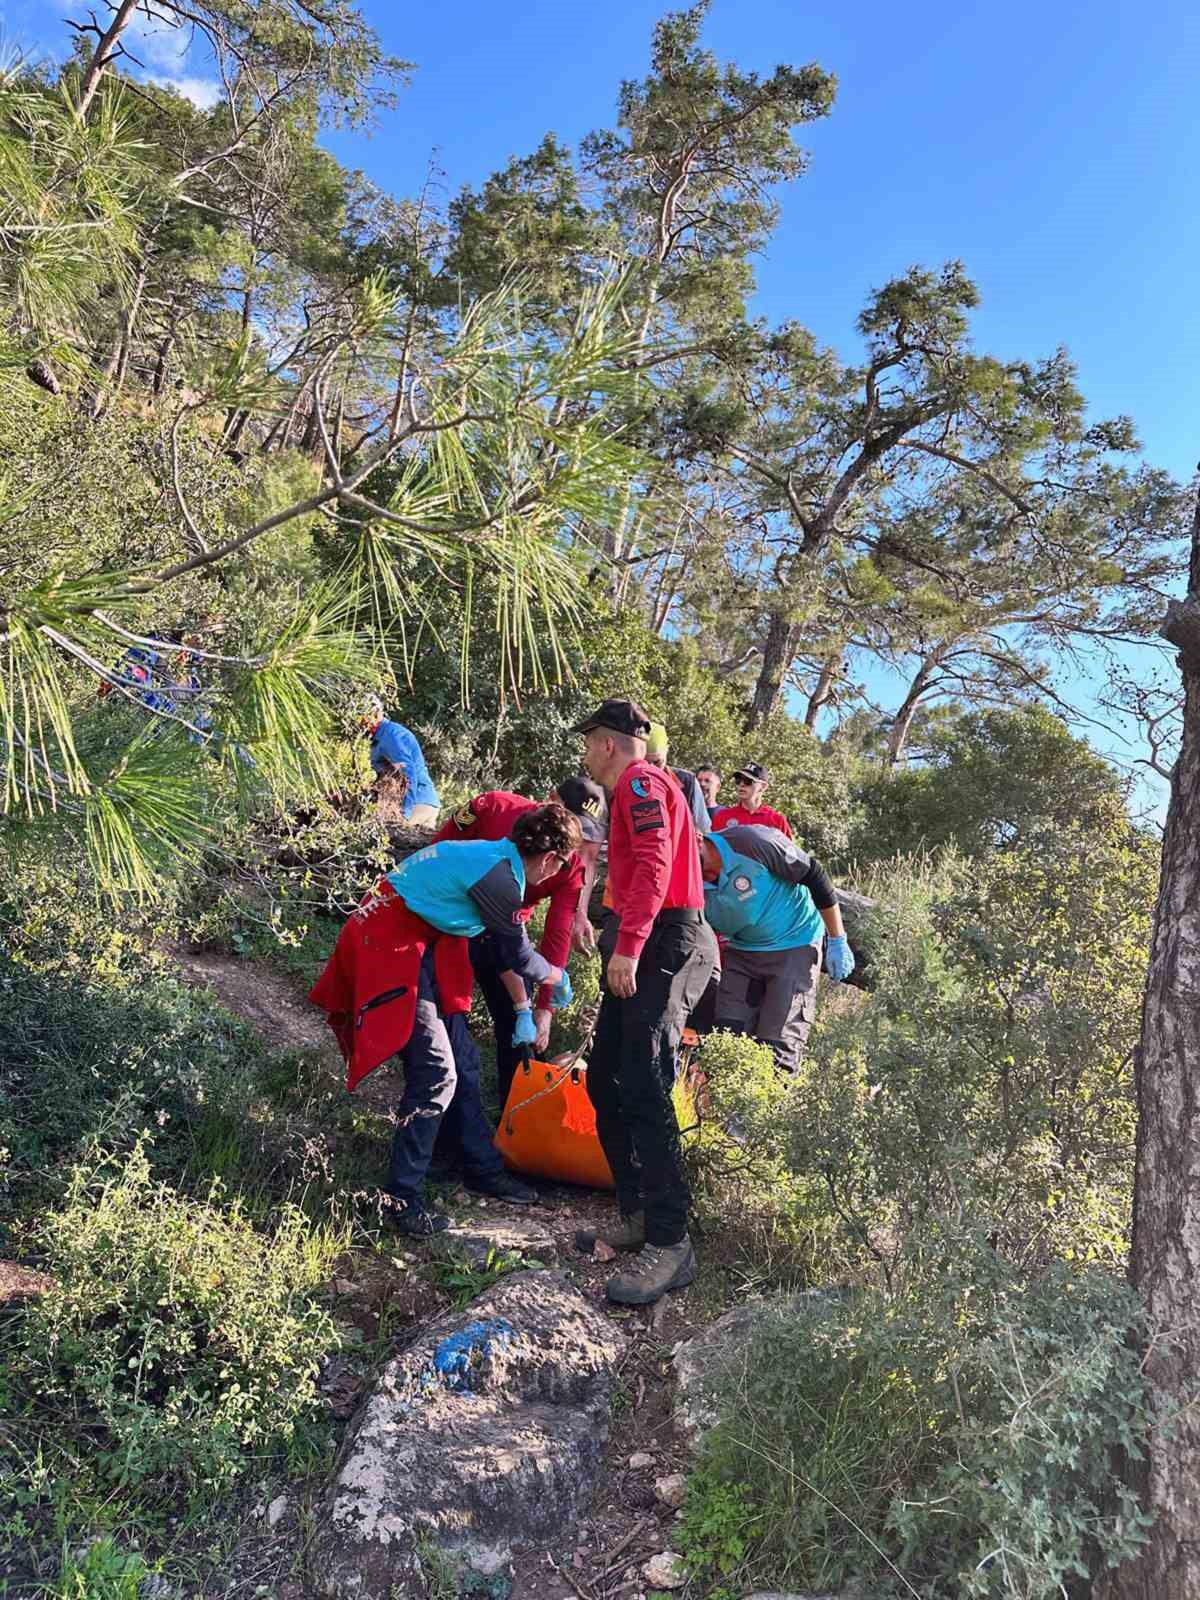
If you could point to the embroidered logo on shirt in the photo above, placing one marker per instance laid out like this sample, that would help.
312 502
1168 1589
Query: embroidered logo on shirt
742 884
465 818
647 814
590 808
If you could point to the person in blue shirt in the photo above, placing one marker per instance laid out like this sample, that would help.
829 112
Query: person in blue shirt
463 888
773 906
394 745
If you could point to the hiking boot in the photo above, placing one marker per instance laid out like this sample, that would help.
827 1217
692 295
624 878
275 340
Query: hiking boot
627 1233
415 1218
503 1187
658 1268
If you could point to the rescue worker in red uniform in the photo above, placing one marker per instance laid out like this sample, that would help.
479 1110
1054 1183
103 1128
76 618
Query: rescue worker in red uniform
751 780
658 954
491 816
385 990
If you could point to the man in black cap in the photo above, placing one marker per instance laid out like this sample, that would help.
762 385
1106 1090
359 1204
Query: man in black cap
751 780
658 953
491 816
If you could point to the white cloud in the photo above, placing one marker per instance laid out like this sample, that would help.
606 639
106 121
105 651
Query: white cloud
158 44
202 92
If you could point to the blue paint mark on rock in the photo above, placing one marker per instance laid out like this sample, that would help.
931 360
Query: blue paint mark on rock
457 1356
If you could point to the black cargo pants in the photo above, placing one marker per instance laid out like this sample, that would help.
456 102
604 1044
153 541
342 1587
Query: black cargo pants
631 1068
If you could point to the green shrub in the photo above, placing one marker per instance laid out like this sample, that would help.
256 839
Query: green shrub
772 1223
96 1054
957 1438
986 1083
101 1572
175 1328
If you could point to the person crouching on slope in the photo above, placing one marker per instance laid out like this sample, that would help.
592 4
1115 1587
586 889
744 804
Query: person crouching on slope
394 745
772 904
658 953
383 986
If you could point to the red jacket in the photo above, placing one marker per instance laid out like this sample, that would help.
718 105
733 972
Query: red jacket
491 816
653 861
764 817
370 983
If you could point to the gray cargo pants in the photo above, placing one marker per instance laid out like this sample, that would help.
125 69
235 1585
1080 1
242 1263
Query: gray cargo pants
772 996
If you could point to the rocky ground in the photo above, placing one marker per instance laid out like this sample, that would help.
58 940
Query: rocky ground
633 1505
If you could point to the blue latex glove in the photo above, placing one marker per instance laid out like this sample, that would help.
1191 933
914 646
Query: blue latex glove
839 958
525 1031
562 993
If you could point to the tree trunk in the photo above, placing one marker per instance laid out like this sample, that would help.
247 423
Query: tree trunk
106 50
1165 1263
917 689
162 361
824 686
128 323
779 652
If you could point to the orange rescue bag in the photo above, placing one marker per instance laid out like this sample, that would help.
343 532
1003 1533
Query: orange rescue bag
548 1129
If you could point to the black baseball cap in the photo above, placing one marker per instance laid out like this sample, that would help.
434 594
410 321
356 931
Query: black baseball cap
619 716
753 770
589 803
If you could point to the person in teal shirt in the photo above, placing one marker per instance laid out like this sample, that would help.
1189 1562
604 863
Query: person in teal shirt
461 889
774 906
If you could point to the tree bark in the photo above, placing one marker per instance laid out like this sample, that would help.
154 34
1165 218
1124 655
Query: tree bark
779 652
902 722
106 51
1165 1262
824 686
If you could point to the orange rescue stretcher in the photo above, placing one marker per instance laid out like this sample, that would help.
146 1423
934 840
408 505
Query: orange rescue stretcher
548 1128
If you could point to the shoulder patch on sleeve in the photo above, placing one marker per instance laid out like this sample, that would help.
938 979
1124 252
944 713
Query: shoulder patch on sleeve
464 817
646 815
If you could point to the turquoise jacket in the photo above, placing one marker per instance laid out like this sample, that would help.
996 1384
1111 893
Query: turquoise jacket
464 886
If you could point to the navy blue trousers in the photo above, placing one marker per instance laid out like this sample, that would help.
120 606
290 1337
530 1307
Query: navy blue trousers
441 1091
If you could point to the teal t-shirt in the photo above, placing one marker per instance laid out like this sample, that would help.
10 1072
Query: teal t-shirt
754 909
436 882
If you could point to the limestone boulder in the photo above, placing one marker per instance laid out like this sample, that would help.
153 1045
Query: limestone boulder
483 1435
489 1235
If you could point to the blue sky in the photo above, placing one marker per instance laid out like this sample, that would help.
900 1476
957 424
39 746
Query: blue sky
1052 146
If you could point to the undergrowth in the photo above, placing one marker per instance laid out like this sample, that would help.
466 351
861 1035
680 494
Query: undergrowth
954 1440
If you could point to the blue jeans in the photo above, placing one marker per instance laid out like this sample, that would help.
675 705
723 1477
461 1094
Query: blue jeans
441 1088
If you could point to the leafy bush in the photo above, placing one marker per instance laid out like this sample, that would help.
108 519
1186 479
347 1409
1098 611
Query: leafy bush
188 1338
992 779
102 1054
737 1147
101 1572
986 1083
956 1438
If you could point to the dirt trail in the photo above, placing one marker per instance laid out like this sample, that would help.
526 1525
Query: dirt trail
271 1003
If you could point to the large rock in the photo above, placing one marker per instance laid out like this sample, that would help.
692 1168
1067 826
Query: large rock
483 1435
486 1236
